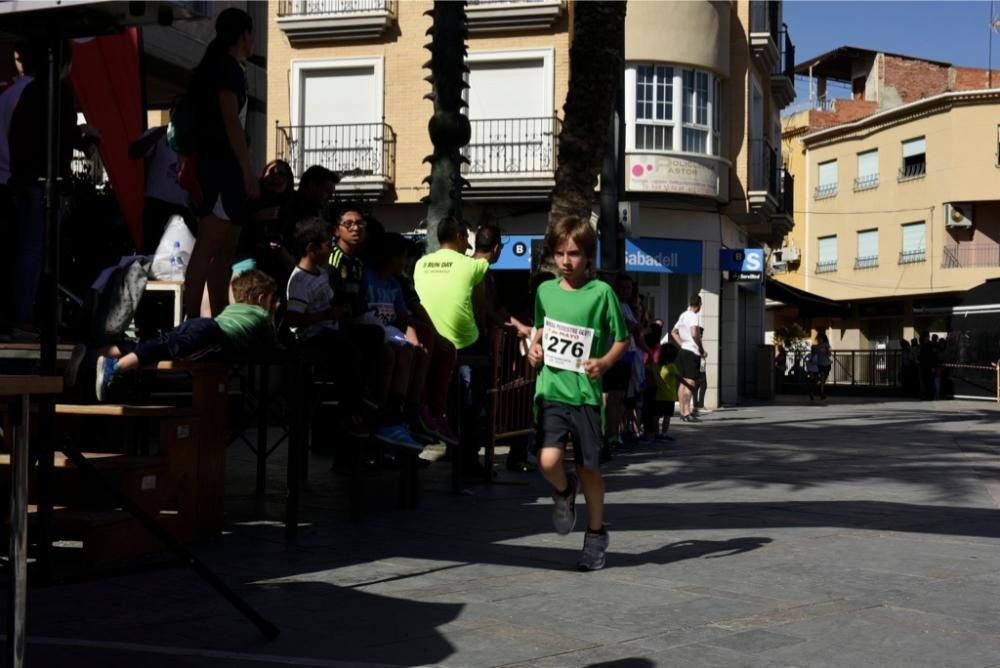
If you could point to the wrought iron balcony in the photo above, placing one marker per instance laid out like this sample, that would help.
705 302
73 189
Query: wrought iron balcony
512 147
327 20
866 262
915 171
826 266
826 190
783 77
764 179
971 255
913 256
364 154
866 182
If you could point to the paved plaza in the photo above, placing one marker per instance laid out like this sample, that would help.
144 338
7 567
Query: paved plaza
853 532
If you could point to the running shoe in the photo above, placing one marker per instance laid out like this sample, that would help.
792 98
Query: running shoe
595 548
107 369
564 512
397 435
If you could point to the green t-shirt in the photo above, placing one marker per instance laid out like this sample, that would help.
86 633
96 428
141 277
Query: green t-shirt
571 319
248 329
444 281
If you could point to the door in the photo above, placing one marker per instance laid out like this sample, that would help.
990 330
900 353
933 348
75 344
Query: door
341 127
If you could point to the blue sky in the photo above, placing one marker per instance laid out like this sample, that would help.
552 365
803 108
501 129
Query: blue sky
954 31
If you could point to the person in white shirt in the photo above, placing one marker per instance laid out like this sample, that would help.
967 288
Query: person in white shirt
687 335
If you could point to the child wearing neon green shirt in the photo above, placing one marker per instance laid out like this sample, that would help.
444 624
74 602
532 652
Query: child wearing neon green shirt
581 334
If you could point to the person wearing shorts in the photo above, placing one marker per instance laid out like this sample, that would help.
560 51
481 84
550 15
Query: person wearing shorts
687 335
225 177
578 318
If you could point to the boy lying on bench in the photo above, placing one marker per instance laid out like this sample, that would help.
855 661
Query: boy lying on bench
244 330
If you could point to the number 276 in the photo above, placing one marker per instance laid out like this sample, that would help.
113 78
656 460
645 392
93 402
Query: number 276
575 348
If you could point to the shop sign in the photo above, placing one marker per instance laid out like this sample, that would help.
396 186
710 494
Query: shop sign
671 174
662 256
742 264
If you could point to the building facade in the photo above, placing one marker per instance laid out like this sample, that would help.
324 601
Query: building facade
704 85
899 211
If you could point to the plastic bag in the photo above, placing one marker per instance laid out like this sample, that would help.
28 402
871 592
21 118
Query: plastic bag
173 252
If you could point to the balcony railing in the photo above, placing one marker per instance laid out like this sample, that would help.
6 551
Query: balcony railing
913 256
765 165
914 171
867 182
360 150
866 262
826 190
331 7
971 255
786 61
512 147
826 266
764 17
787 200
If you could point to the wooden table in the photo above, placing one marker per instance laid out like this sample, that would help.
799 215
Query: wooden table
22 387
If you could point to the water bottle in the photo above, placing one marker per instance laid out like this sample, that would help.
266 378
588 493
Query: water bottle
176 263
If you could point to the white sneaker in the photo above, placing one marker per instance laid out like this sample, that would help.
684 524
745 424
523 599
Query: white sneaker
564 512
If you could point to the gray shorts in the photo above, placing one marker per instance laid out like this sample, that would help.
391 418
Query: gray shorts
559 424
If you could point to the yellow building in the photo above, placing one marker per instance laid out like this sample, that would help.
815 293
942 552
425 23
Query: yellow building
704 86
898 211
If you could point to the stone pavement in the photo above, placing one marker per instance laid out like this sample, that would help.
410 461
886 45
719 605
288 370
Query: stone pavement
853 532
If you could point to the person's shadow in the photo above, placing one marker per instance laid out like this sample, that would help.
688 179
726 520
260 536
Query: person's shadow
630 662
695 549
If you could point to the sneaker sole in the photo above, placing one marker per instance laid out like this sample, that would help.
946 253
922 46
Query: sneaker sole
583 568
101 361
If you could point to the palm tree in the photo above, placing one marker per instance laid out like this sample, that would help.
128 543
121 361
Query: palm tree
596 57
449 128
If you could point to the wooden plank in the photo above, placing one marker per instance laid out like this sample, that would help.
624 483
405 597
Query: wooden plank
13 385
123 410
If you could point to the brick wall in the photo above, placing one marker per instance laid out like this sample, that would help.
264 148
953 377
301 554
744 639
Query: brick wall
404 86
844 111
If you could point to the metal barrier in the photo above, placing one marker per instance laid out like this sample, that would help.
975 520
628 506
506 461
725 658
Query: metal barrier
511 397
871 368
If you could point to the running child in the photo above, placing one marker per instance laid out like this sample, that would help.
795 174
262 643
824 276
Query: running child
581 334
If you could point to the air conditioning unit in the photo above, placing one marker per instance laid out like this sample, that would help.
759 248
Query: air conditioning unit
791 254
957 216
778 259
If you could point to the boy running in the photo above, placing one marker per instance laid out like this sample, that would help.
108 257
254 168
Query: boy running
581 335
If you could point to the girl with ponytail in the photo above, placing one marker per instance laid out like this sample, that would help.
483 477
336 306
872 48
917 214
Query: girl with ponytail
225 176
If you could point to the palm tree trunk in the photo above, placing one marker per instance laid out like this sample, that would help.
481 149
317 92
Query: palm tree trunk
449 127
595 57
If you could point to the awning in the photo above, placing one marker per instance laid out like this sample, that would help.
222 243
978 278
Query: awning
809 305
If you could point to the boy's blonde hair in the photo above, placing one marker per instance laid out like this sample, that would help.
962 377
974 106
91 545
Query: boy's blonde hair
251 284
572 227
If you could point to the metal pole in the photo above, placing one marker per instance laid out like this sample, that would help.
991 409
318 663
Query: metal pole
17 594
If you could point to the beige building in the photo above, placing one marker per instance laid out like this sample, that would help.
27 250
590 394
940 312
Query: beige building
898 208
704 86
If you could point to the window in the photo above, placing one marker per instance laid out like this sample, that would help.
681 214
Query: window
867 171
695 117
867 249
513 129
670 108
827 179
914 159
342 137
914 243
654 108
717 119
827 254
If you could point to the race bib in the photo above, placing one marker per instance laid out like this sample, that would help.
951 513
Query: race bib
566 346
386 313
